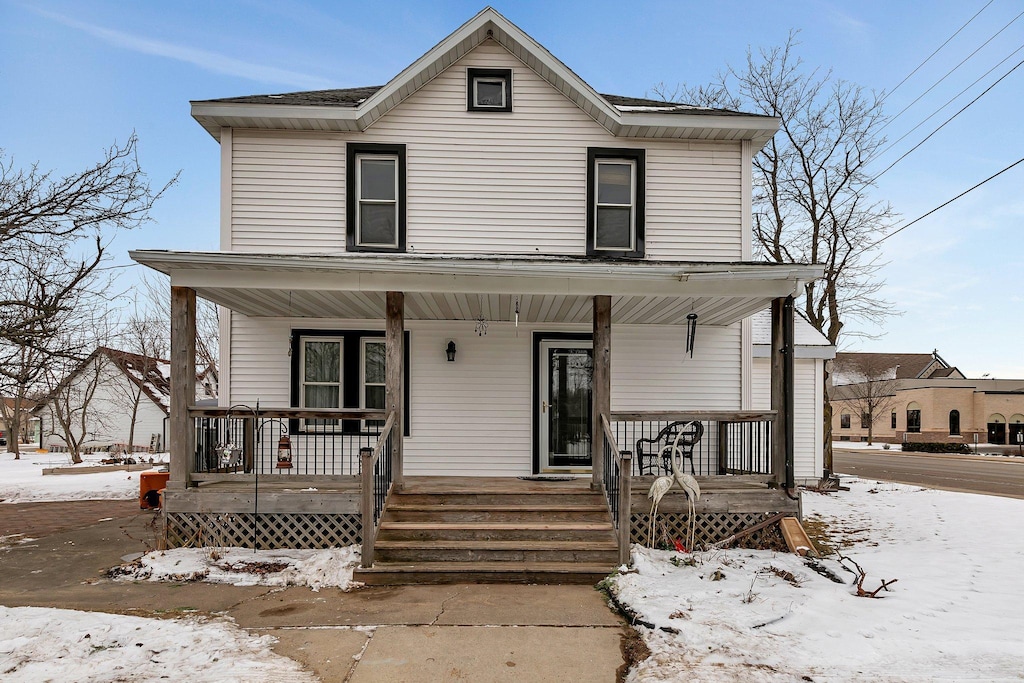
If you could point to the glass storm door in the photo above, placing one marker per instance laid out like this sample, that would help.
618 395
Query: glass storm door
565 405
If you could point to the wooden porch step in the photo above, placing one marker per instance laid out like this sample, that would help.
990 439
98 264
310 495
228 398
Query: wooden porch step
441 512
385 574
593 552
496 531
511 497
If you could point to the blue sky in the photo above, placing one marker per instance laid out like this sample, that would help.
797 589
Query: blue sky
78 75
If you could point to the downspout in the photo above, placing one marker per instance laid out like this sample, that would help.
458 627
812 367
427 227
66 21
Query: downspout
788 385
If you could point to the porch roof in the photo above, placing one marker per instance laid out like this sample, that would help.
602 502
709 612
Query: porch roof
463 287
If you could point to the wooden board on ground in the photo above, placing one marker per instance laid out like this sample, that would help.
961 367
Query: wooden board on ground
796 537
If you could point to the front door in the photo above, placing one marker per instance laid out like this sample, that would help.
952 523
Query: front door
997 432
566 367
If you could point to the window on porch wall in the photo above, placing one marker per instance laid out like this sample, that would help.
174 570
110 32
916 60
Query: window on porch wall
373 374
321 378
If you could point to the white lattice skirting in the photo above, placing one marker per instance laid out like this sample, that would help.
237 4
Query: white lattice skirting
710 527
272 530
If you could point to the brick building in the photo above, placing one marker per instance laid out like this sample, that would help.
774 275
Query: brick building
921 398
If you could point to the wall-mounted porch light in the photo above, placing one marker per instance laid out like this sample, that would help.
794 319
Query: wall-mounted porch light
450 351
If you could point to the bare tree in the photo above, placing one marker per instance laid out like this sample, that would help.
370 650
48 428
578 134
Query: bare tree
70 398
868 385
812 190
158 307
144 347
54 237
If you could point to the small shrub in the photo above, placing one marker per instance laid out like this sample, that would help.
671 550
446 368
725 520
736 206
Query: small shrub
936 448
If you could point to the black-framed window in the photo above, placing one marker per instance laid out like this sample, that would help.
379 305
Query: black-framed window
342 369
954 423
844 421
375 197
615 202
865 420
488 89
892 420
914 420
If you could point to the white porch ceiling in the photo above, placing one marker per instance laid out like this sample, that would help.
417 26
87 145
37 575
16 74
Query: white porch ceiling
548 289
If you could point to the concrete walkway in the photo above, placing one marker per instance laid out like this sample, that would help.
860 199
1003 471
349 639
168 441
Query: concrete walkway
406 633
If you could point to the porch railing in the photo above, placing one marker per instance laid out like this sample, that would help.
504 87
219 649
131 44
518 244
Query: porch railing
617 487
736 442
243 440
376 481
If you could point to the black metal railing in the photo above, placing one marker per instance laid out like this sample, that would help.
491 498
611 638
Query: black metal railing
377 476
731 443
616 480
288 441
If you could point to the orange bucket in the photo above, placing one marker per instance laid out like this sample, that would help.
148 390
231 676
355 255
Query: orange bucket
150 484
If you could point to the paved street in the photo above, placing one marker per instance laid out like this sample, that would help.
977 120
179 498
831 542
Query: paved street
975 474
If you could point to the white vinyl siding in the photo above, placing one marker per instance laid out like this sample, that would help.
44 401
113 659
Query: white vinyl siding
513 184
807 425
474 417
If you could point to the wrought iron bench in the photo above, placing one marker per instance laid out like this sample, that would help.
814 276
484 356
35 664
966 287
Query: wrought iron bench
653 454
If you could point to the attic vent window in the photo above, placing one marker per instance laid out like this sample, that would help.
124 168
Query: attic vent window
489 89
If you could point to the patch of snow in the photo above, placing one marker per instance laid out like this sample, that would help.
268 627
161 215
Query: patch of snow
956 612
44 644
241 567
863 446
22 481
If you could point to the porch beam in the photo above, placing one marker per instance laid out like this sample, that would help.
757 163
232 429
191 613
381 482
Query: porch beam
183 385
601 385
394 339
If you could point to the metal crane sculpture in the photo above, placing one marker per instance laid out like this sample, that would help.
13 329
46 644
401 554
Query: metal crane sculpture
690 487
658 490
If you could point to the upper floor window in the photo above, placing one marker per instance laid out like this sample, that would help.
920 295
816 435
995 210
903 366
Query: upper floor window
375 197
844 421
954 423
615 202
488 89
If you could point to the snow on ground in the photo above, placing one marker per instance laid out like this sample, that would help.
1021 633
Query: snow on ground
43 644
240 567
956 612
864 446
22 481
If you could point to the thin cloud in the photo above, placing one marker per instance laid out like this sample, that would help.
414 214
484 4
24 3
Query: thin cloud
204 59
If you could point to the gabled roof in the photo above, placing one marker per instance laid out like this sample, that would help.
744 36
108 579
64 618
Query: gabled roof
810 342
152 375
907 365
355 109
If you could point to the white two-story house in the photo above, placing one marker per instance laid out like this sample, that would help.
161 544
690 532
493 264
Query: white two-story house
482 270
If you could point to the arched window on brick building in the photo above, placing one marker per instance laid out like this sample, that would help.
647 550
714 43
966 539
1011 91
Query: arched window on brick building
954 423
914 417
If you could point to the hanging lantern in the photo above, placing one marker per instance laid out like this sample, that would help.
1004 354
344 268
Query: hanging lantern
284 452
691 332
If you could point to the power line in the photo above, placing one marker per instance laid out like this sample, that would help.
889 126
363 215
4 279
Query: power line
962 110
944 204
950 72
950 101
937 50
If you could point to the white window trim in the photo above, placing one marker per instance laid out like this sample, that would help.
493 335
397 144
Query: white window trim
382 202
303 383
500 80
631 206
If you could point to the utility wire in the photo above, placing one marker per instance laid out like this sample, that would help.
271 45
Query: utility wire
962 110
937 50
944 204
949 101
950 72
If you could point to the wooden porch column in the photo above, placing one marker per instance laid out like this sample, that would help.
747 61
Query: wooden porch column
601 385
782 390
394 391
182 437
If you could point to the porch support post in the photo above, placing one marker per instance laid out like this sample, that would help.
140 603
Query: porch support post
601 386
183 386
782 390
395 397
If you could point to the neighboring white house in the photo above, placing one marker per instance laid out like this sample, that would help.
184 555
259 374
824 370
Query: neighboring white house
812 350
98 402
